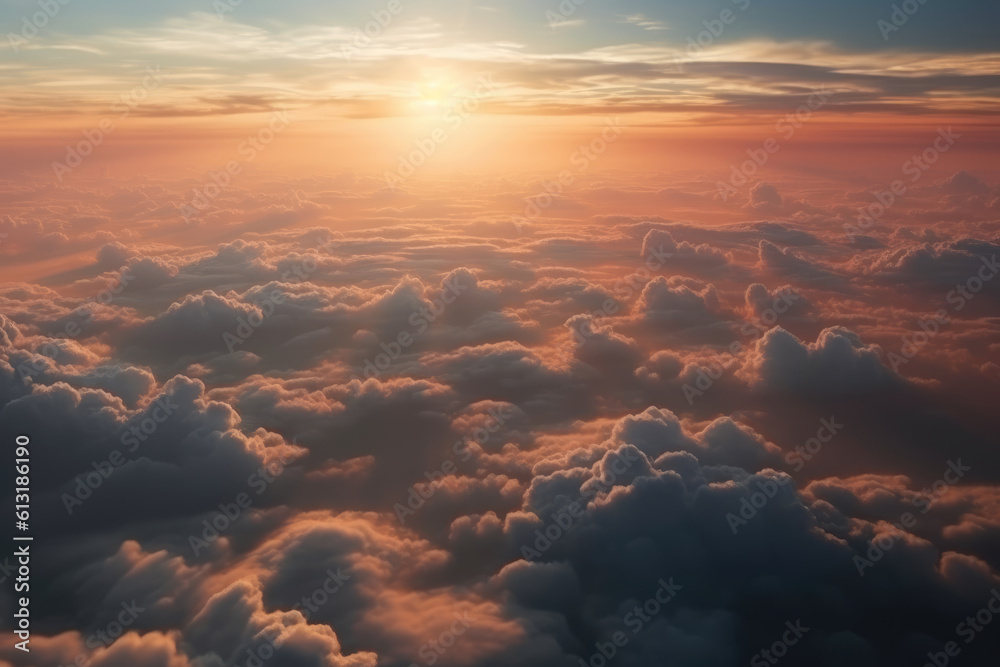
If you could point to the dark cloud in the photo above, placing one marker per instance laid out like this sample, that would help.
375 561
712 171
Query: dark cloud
526 458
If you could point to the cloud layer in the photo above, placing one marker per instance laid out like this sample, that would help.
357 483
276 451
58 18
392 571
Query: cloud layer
330 424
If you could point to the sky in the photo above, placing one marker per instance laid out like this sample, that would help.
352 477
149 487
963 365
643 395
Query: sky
674 68
537 333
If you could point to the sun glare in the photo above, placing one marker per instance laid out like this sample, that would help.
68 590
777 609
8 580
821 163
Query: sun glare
433 93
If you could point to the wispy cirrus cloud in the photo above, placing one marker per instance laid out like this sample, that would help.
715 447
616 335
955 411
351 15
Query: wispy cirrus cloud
644 22
305 67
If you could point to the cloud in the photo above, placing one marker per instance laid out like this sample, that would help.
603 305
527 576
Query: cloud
765 196
838 362
535 428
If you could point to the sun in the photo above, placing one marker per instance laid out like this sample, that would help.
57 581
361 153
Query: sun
433 93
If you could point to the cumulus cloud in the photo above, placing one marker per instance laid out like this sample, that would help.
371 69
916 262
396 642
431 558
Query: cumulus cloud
441 435
765 196
838 362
